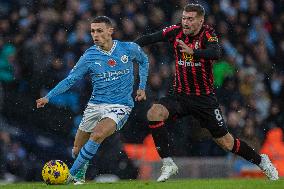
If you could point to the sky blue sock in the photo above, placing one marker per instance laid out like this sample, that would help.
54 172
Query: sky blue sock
87 152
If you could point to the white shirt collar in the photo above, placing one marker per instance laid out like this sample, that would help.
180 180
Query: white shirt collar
110 51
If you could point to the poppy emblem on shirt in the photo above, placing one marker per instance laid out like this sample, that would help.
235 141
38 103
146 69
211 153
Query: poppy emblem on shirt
111 62
124 59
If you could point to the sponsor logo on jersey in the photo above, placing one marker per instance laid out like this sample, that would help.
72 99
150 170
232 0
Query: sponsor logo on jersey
188 61
111 62
124 59
113 75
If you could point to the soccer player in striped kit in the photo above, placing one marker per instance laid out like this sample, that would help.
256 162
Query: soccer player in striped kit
195 47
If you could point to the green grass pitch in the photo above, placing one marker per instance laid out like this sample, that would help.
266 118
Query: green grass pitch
172 184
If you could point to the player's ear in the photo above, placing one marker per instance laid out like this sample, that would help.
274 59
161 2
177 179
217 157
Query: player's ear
111 30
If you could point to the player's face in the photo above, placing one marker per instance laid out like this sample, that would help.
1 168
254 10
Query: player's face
191 22
101 33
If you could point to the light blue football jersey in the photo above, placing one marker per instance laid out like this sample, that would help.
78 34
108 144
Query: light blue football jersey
111 73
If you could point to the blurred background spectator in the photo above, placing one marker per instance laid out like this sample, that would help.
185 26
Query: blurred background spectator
40 42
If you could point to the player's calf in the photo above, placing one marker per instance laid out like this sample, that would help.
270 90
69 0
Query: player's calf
238 147
87 152
158 129
242 149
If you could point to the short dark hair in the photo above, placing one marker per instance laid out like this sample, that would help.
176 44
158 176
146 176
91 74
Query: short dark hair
195 8
103 19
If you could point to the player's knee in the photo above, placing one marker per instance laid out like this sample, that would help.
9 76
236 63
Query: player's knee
157 113
226 142
98 137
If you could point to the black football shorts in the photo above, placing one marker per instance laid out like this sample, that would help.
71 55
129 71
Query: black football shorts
204 108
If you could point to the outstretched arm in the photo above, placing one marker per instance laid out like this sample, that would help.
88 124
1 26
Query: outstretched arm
79 70
167 34
149 39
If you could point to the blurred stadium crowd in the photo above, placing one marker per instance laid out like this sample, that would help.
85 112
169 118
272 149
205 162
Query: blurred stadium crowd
41 40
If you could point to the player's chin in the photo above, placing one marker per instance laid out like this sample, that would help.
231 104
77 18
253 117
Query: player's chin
187 31
98 43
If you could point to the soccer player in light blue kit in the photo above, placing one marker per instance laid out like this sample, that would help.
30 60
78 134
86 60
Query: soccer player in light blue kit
110 64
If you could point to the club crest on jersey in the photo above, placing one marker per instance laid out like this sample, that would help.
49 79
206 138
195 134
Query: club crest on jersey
124 59
213 39
111 62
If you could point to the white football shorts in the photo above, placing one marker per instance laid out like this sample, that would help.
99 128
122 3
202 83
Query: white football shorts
96 112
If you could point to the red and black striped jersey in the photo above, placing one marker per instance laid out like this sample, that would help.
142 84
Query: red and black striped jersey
193 75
